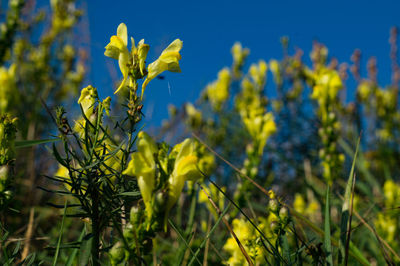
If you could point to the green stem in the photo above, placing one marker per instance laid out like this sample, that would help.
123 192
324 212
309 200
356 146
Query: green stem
95 228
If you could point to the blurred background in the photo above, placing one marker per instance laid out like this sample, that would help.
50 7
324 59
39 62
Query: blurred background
208 30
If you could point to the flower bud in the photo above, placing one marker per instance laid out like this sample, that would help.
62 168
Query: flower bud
275 227
135 216
273 205
284 215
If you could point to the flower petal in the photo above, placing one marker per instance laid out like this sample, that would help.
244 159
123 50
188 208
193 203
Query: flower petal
122 33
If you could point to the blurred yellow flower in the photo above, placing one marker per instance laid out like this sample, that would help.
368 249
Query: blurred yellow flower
239 55
260 126
258 73
218 91
8 92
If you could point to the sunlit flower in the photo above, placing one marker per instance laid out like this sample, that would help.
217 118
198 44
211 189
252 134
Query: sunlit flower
118 49
143 166
168 60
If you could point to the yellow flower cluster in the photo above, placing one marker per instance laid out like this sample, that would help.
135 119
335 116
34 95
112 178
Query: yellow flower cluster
309 209
65 15
133 64
261 127
258 73
8 92
250 104
387 222
217 92
215 195
276 71
194 116
327 84
250 238
384 103
239 55
187 165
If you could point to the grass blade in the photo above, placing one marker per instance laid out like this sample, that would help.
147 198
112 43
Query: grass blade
30 143
208 235
71 258
182 238
344 223
61 233
327 238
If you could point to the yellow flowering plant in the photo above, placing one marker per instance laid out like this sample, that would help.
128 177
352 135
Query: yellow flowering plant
133 64
256 174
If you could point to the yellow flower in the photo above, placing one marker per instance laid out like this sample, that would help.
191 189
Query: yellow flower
194 115
141 52
107 105
258 73
276 70
8 92
168 60
87 100
185 168
299 204
248 237
239 55
261 127
118 49
327 86
215 195
63 173
218 91
364 90
143 166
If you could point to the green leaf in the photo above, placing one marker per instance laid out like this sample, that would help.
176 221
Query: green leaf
130 194
344 223
84 252
61 233
285 249
71 258
29 143
361 166
327 238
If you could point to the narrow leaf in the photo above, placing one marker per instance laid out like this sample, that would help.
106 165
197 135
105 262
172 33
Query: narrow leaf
61 233
30 143
344 223
327 239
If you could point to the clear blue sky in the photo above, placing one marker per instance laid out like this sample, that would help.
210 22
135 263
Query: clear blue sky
209 29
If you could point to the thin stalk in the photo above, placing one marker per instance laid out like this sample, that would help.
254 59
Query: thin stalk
95 228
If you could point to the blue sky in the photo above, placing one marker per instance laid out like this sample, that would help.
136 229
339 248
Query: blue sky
209 29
